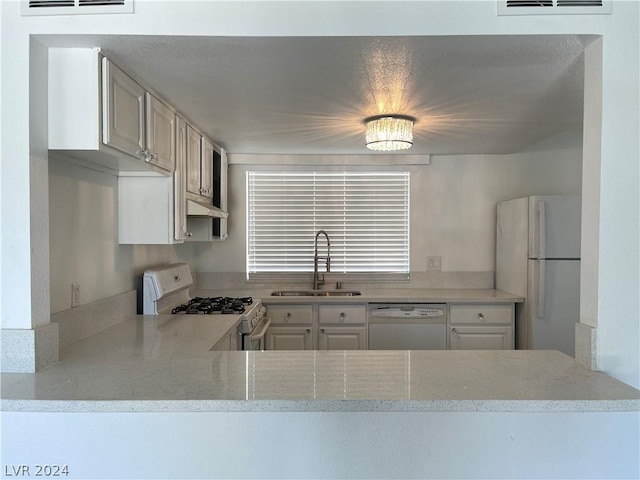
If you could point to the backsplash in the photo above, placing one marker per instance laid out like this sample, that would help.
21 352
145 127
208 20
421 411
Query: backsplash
238 280
80 322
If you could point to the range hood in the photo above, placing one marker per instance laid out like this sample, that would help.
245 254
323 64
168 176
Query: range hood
200 209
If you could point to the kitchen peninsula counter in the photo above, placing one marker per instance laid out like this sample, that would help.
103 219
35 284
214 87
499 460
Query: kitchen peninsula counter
152 364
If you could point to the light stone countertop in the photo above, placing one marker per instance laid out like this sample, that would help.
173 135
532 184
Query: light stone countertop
373 295
155 364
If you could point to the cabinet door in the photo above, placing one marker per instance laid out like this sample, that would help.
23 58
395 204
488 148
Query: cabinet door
193 161
179 181
161 133
481 338
289 338
123 111
206 169
342 338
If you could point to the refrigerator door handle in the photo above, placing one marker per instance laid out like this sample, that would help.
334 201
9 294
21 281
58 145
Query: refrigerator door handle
542 230
541 288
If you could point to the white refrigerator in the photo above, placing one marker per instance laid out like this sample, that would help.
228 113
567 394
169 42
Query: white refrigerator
538 257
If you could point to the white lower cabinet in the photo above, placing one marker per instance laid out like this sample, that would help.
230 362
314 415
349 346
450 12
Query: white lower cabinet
315 326
342 338
481 338
227 343
289 338
299 314
342 327
291 327
481 327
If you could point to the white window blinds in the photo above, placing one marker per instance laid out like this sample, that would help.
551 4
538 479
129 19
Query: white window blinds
365 214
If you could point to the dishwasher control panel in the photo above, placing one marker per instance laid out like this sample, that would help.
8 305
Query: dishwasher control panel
408 311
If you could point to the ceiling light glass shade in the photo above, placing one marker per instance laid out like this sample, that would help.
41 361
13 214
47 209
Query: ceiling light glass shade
389 132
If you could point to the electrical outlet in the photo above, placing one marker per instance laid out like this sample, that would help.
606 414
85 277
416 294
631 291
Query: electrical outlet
75 294
434 263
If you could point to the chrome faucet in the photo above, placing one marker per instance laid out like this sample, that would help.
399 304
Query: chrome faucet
317 282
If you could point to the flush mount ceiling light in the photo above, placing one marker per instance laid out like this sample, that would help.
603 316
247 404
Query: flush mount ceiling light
389 132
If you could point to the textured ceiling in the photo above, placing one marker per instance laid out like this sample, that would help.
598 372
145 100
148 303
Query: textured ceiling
469 94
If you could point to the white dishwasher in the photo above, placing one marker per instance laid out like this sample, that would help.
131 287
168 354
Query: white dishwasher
407 326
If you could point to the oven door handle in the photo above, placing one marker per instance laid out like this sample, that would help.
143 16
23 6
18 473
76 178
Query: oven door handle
259 336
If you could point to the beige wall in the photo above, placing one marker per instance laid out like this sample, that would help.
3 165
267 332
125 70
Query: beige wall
83 238
452 214
452 204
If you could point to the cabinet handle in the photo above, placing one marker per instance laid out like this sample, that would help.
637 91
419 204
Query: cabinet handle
148 156
288 315
308 331
322 331
481 316
188 234
343 315
454 331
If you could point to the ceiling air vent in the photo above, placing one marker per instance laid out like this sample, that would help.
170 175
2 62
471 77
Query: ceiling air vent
75 7
554 7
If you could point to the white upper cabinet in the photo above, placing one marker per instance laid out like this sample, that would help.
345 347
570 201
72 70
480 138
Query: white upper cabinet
152 208
161 128
193 160
200 154
206 168
180 181
123 111
99 114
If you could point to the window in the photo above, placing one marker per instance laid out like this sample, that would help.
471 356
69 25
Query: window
366 216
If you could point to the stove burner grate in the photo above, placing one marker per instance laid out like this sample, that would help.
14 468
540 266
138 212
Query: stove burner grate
214 305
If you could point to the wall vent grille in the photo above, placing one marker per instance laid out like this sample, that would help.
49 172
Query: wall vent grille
75 7
554 7
529 3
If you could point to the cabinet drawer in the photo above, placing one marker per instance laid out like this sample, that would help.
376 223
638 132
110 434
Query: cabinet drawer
290 314
481 314
342 314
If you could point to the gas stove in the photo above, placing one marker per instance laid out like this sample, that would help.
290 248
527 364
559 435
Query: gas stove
213 305
166 292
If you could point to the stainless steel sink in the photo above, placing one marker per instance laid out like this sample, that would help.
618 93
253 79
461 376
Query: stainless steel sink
315 293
